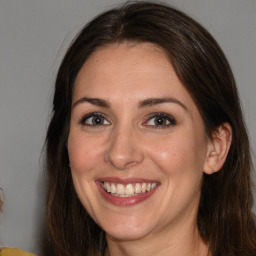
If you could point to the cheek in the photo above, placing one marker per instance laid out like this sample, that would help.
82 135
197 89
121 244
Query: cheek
83 157
83 153
179 154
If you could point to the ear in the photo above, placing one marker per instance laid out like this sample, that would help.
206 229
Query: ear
218 148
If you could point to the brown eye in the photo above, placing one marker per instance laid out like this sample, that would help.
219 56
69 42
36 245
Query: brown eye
160 120
97 120
94 120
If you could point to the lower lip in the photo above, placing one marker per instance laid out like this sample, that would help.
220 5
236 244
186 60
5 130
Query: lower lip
124 201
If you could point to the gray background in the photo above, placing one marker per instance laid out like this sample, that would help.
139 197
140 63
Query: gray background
34 35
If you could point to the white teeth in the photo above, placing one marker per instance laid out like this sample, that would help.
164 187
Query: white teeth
113 189
137 188
143 187
153 185
108 187
120 189
129 189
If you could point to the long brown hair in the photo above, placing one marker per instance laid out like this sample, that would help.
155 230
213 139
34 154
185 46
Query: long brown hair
224 218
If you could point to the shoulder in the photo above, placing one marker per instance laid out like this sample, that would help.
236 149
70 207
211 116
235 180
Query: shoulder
14 252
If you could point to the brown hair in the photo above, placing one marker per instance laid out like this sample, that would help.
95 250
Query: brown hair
224 218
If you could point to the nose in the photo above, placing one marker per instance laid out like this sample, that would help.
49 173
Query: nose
124 149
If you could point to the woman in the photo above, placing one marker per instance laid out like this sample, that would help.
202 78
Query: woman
147 152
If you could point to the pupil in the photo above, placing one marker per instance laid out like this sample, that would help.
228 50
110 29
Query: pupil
97 120
159 121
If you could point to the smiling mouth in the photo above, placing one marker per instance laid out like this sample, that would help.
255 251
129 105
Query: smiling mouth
128 190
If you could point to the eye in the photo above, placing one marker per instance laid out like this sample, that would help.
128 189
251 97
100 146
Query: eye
160 120
94 119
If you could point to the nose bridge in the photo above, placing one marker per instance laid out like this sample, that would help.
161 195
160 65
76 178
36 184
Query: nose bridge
124 148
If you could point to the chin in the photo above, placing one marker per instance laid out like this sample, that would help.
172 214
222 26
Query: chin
127 231
127 235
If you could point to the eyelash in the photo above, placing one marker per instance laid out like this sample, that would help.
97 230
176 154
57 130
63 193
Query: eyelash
93 115
161 115
169 119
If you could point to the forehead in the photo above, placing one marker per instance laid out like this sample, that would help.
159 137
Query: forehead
126 57
129 70
146 50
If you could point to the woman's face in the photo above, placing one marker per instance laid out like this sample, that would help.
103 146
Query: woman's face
137 146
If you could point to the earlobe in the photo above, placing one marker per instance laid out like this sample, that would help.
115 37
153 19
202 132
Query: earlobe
218 148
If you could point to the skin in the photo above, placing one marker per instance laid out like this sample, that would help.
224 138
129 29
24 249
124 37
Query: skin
129 144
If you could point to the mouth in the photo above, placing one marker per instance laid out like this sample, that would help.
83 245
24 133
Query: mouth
129 190
126 192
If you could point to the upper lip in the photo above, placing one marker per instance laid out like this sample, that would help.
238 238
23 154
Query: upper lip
127 180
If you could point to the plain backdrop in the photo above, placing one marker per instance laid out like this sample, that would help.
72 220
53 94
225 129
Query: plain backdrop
34 35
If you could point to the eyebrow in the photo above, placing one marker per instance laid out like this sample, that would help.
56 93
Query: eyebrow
144 103
94 101
155 101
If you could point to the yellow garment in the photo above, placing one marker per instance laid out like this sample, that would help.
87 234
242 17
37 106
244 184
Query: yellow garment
14 252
